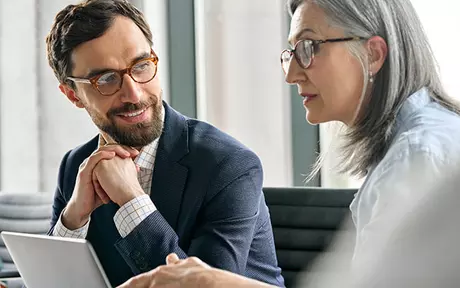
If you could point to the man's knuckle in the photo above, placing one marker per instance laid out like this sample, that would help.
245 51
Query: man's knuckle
194 259
159 270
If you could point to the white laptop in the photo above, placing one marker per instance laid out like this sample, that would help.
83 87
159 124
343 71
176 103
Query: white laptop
55 262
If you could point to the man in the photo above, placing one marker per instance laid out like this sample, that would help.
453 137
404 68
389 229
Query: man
153 182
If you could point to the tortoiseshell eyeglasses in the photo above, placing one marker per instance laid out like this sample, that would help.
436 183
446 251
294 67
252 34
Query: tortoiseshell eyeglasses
109 83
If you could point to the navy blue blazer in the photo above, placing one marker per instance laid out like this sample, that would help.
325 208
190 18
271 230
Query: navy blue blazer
207 188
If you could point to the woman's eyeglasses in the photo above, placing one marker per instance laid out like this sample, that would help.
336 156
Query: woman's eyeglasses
304 51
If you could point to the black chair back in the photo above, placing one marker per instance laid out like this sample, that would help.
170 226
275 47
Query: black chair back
304 221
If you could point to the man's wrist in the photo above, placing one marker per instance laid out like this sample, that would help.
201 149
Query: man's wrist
208 277
130 215
132 194
71 219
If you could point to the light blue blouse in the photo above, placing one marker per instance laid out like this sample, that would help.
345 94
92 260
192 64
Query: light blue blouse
425 146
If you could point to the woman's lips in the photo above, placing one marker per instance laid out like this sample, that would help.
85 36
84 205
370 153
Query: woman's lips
308 97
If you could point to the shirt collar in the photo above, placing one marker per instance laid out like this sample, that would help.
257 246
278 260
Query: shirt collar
413 103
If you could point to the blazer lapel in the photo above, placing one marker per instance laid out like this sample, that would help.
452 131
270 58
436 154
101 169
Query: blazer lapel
169 176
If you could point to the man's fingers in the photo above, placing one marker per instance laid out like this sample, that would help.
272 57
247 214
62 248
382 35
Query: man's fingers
108 152
132 151
121 151
172 259
97 157
86 171
99 190
118 150
83 164
192 261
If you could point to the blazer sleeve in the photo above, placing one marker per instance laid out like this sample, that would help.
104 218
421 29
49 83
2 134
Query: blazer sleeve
226 228
59 202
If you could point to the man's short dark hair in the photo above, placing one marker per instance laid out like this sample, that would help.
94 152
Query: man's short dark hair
77 24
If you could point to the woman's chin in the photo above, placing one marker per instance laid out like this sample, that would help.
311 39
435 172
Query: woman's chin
314 119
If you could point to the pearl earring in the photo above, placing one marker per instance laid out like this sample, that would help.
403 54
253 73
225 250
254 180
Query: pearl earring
371 77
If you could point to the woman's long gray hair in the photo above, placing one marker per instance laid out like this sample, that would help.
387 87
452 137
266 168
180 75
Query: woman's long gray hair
409 66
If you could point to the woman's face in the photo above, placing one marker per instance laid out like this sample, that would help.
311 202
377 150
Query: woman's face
332 85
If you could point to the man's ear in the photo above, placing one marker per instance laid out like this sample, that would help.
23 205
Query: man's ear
378 51
71 95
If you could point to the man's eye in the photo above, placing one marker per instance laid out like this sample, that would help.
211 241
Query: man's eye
107 78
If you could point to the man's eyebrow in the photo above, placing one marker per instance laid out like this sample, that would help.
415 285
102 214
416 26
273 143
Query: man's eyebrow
96 72
141 56
299 35
100 71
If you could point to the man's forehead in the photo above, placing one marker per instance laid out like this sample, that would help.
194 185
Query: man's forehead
92 58
115 49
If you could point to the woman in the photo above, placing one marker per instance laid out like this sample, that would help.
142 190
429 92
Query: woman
367 64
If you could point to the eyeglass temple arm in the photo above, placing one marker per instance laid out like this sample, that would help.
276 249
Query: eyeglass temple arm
341 39
80 80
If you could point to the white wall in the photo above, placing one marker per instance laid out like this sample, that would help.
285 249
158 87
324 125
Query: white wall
156 13
19 151
441 22
329 176
38 124
240 83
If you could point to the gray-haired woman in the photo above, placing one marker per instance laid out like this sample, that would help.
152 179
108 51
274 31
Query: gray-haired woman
367 64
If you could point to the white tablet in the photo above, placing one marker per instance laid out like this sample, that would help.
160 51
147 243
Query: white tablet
55 262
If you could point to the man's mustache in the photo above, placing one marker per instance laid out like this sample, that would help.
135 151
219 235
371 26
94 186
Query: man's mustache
130 107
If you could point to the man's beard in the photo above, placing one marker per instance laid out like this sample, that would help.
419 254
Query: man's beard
136 135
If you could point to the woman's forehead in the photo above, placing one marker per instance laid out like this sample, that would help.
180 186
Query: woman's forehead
310 21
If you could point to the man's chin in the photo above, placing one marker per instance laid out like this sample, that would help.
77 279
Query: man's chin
137 141
136 135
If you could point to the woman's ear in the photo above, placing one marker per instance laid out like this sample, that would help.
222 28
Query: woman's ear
378 51
71 95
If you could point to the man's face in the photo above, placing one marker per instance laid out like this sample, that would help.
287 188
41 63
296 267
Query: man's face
131 116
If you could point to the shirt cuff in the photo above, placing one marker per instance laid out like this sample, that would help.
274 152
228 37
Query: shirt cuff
62 231
132 214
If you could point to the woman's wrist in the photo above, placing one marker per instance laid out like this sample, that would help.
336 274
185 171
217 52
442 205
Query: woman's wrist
217 278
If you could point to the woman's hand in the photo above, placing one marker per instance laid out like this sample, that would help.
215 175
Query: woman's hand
190 273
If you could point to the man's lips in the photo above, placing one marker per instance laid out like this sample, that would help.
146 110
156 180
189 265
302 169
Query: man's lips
132 113
134 117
